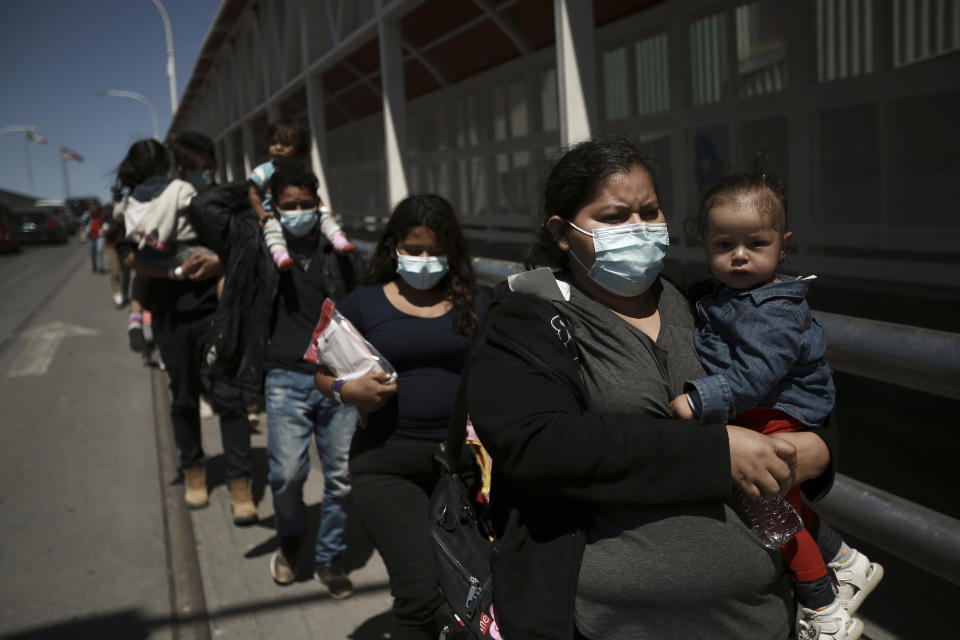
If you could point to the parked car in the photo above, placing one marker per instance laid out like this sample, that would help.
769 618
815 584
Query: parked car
9 236
57 207
40 225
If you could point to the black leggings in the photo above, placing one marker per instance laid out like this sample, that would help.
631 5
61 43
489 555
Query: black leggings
392 482
181 341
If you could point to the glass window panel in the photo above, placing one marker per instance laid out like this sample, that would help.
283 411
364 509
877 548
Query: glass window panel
849 166
478 184
503 176
499 114
653 75
845 39
473 122
708 59
925 163
524 183
548 100
441 126
761 47
615 86
519 121
924 29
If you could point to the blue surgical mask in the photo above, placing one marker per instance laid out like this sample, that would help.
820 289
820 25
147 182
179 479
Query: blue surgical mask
629 257
298 222
422 273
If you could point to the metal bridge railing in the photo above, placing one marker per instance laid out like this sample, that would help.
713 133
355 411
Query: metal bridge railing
902 355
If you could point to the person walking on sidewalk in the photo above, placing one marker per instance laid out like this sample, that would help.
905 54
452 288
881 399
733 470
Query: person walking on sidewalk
94 238
420 307
119 274
183 301
296 411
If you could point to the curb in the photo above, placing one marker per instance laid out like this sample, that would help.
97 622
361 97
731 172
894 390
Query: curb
188 607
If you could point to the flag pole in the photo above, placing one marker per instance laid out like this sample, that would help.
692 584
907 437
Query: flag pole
63 173
26 152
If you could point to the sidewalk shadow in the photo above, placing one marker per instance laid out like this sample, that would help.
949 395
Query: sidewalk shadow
129 624
359 546
375 628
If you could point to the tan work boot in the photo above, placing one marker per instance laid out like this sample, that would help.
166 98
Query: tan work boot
241 502
195 481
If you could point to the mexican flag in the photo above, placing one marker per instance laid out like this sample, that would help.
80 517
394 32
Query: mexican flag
33 137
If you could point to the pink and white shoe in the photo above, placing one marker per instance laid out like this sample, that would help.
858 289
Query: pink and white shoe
282 259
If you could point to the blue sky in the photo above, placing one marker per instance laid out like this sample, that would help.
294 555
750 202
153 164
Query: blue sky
57 53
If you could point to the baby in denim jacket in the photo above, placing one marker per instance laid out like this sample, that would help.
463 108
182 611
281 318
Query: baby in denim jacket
763 352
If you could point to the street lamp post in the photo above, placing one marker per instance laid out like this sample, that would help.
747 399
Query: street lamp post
26 148
118 93
171 62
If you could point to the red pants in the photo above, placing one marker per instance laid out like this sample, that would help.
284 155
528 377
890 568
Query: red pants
801 555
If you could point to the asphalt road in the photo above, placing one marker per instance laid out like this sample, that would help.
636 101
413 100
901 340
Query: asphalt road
82 534
89 490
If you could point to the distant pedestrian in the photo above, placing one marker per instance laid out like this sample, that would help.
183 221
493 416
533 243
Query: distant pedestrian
119 273
183 301
94 239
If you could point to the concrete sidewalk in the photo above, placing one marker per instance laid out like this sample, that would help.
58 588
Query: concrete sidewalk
241 599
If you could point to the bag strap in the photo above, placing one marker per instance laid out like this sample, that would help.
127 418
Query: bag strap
457 435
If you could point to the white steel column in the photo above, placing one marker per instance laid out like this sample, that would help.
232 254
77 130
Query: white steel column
394 110
316 118
318 133
246 131
576 69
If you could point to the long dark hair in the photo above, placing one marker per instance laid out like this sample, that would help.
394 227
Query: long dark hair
434 213
145 159
573 180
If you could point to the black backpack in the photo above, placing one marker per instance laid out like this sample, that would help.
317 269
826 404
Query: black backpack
461 534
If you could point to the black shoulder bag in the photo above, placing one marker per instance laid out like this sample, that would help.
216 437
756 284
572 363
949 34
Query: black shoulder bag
460 533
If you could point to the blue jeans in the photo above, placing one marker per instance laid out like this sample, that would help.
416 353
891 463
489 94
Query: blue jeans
295 412
96 252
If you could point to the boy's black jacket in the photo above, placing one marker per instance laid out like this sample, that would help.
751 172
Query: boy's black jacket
225 223
553 458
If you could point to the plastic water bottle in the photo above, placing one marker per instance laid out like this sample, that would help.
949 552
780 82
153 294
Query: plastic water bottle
774 520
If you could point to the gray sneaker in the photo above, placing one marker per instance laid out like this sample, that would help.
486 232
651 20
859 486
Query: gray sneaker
334 579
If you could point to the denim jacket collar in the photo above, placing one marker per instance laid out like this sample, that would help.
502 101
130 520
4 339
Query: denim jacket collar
788 287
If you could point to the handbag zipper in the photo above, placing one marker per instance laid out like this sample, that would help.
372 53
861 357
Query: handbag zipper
475 587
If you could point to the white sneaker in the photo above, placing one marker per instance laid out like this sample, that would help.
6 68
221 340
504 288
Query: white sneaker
856 579
118 300
831 623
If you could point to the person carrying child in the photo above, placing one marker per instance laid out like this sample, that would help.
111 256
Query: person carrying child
763 352
289 144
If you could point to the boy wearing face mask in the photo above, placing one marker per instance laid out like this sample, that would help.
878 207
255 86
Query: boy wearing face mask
296 411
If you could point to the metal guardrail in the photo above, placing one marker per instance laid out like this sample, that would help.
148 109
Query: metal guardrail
907 356
911 357
923 537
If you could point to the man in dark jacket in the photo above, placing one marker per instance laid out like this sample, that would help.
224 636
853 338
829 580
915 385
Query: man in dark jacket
296 411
